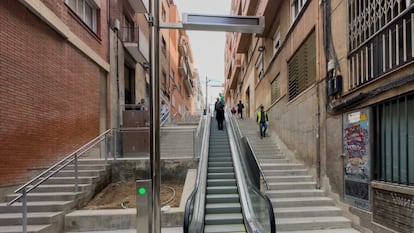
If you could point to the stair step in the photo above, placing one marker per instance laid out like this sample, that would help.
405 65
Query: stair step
233 228
220 159
221 182
224 175
312 223
30 228
222 190
87 167
60 187
69 173
272 160
37 206
284 172
301 201
282 166
222 198
271 179
220 164
47 196
343 230
71 180
218 219
33 218
294 193
223 208
307 211
291 185
220 169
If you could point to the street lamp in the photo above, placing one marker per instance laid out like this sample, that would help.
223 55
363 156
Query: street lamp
205 110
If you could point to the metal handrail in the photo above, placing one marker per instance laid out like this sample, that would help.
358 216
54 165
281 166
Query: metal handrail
164 118
200 183
82 149
253 153
247 205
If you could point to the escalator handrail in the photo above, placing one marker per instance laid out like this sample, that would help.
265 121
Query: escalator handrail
200 185
249 145
246 205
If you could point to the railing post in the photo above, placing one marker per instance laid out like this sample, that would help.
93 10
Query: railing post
106 147
194 144
24 210
76 172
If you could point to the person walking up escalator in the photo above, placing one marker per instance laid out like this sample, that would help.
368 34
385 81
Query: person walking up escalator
219 114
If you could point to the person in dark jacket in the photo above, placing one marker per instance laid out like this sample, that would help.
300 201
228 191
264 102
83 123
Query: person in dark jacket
219 115
262 120
240 107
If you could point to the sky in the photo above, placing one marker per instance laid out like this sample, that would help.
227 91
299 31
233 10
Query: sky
207 46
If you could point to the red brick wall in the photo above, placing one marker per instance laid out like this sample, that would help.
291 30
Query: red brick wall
49 94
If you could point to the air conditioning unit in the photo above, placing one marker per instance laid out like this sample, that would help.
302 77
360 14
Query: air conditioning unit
117 24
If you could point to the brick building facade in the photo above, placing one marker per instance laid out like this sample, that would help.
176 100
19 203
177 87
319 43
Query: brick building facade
53 68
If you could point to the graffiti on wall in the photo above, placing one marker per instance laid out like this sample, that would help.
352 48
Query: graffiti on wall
356 149
357 160
389 206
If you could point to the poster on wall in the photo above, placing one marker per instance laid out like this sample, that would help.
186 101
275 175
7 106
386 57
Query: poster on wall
357 155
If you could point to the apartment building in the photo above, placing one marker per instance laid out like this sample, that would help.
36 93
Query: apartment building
177 65
337 80
129 61
54 73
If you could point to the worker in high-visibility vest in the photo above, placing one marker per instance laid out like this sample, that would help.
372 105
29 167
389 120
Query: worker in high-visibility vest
262 120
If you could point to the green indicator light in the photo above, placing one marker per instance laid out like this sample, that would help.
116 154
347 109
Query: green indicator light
142 191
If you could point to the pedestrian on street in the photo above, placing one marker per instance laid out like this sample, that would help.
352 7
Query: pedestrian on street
262 119
219 114
240 107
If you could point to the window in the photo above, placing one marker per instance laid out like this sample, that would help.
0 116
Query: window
275 91
394 140
276 41
129 80
87 11
128 29
163 46
163 14
302 68
259 67
380 38
296 7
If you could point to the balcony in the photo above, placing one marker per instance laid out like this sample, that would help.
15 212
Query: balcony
182 67
182 48
269 12
136 44
139 6
243 42
236 72
188 83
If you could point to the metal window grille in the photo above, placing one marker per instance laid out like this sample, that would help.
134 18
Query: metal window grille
379 38
275 91
394 140
302 68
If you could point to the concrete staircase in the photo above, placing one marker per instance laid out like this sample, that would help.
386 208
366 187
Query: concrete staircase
177 142
299 207
50 201
223 209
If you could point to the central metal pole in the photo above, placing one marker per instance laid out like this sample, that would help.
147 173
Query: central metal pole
155 116
207 107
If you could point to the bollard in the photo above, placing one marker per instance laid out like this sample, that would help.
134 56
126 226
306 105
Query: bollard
144 209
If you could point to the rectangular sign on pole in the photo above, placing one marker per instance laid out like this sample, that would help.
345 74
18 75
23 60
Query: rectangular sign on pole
246 24
143 193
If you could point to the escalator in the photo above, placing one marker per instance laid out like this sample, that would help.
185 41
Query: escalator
223 209
224 198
